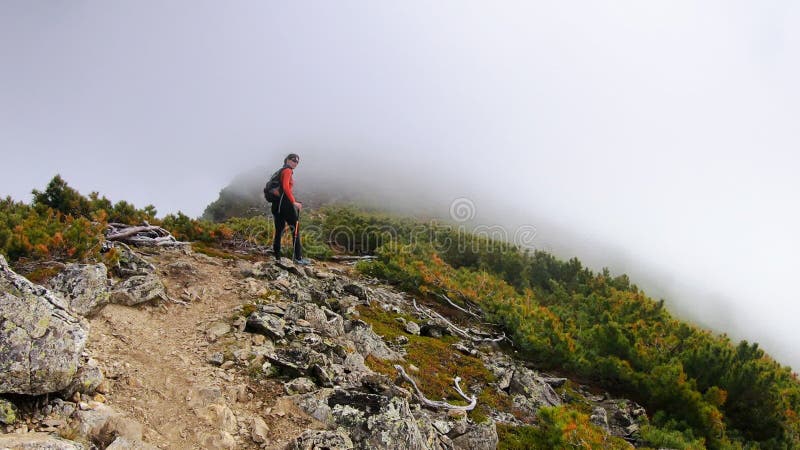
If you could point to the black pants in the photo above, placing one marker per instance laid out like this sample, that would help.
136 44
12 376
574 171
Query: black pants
285 214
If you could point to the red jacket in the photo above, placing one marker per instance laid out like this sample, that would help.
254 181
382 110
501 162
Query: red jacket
287 182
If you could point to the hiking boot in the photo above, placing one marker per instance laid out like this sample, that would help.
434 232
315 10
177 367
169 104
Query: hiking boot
302 261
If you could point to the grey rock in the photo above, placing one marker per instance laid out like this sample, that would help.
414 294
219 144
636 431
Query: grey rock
84 286
41 340
368 343
138 289
412 328
267 324
526 382
348 417
599 417
298 359
464 349
395 427
356 290
322 440
315 404
37 441
87 380
434 329
131 264
482 436
300 385
323 320
216 359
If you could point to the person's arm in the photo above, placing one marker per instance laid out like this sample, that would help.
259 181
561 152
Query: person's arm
286 185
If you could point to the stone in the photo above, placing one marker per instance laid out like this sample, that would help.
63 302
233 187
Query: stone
301 385
88 379
368 343
322 440
298 359
8 412
37 441
395 427
217 330
525 382
315 404
41 339
220 417
267 324
412 328
356 290
216 359
84 286
322 320
131 264
464 349
599 417
482 436
138 289
259 431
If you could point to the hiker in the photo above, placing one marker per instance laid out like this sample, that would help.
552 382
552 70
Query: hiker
285 208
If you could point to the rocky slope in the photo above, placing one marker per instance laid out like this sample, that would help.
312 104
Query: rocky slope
176 349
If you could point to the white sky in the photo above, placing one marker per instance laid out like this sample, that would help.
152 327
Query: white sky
657 138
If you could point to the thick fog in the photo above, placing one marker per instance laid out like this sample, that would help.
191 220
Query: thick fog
655 138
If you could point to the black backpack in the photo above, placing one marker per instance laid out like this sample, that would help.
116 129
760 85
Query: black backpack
273 190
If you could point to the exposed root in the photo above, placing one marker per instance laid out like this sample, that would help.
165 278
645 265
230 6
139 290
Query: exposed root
473 400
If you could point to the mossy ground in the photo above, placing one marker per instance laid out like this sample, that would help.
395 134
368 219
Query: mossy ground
438 363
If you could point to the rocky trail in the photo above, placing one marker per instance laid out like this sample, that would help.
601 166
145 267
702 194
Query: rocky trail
179 350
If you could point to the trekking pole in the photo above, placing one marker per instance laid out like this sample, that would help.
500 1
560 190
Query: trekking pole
296 227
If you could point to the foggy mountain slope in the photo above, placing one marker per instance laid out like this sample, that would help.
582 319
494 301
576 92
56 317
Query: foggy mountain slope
468 199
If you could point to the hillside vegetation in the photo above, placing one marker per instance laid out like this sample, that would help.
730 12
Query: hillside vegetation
701 390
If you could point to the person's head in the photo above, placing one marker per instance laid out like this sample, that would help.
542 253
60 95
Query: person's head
292 159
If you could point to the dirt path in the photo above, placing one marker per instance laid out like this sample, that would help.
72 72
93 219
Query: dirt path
156 359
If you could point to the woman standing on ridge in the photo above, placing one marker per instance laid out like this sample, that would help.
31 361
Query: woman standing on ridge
286 210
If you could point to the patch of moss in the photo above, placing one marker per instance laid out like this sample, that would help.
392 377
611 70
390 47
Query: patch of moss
202 247
8 413
247 309
440 361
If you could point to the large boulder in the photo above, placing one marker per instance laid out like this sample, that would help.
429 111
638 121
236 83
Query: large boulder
37 441
41 340
84 286
395 427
